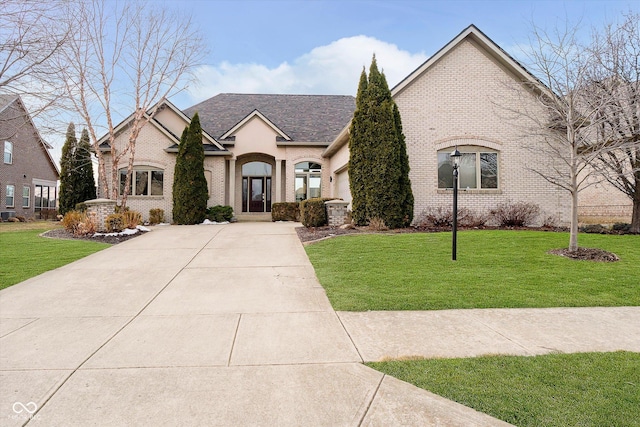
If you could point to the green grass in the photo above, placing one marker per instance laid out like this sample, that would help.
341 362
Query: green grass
24 254
495 269
586 389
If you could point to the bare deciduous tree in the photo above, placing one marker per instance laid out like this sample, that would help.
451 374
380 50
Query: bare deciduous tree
615 88
560 124
125 57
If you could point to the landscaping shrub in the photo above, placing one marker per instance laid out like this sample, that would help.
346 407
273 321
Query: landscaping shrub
79 223
313 212
377 224
131 219
219 213
442 216
594 229
621 227
115 223
519 214
156 216
285 211
48 214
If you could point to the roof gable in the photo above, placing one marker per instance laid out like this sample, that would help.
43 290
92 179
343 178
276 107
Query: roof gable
6 101
484 42
247 119
300 118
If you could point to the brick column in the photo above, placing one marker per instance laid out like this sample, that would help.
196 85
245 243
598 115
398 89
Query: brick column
336 212
101 209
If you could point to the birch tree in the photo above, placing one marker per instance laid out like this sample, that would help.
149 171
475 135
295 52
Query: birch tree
125 56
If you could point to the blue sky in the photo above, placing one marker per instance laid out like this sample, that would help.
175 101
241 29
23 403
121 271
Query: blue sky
320 47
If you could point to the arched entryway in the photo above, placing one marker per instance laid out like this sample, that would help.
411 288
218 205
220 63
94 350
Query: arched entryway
256 186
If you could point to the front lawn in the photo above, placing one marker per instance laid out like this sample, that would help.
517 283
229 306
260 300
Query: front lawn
495 269
584 389
24 254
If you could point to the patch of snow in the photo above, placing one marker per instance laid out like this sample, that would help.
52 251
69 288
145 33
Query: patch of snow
142 228
207 222
125 232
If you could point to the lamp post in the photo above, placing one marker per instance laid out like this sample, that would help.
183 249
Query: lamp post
455 156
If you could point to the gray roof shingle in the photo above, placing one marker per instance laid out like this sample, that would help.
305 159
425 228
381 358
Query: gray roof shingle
304 118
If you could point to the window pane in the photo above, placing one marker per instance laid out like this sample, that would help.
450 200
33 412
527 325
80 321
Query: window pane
142 183
301 188
314 186
38 196
308 167
157 183
52 197
489 170
467 171
8 152
123 177
26 196
445 171
10 196
45 197
256 169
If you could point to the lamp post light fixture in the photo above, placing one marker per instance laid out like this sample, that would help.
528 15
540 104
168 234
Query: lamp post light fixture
455 157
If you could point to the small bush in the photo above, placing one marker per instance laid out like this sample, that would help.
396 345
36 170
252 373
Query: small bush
79 223
285 211
48 214
621 227
551 221
131 219
377 224
156 216
219 213
594 229
313 212
441 216
519 214
21 218
115 223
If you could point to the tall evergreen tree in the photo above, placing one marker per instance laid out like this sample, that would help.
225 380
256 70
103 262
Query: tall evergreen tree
86 183
190 192
66 199
378 164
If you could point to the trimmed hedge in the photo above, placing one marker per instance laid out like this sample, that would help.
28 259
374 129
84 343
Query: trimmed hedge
219 213
313 212
285 211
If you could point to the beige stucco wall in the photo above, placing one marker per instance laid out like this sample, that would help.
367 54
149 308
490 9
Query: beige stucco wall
454 103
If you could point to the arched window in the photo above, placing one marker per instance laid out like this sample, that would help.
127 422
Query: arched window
308 180
478 168
145 181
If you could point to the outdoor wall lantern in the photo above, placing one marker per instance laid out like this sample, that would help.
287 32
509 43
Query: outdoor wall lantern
455 157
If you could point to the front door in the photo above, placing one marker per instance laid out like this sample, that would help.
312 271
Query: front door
257 198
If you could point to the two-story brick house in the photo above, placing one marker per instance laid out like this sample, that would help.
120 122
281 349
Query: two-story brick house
28 173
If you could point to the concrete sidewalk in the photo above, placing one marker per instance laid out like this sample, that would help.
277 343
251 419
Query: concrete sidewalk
223 325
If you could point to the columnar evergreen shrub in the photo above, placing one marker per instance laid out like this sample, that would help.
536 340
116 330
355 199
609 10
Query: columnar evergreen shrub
190 192
378 163
77 183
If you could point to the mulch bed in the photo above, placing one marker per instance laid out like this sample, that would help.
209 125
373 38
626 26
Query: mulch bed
61 233
587 254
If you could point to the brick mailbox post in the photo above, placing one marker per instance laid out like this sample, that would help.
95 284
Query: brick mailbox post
336 212
101 209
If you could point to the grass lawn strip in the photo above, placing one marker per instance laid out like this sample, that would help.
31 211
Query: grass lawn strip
583 389
24 254
495 269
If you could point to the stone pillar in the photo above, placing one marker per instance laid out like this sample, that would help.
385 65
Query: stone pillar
336 212
100 209
232 183
279 180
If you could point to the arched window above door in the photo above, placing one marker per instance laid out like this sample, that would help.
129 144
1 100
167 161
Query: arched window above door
256 169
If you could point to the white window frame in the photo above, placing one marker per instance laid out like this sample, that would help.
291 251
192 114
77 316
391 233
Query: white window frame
478 151
13 196
8 150
307 174
136 169
27 197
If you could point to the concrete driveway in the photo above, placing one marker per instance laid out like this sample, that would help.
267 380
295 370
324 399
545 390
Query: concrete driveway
195 325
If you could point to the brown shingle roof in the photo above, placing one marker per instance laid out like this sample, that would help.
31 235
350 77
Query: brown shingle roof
304 118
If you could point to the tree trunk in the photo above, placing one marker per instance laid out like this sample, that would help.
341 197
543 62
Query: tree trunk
573 235
635 216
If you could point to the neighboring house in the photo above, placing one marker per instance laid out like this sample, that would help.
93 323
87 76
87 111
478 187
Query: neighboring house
28 174
262 149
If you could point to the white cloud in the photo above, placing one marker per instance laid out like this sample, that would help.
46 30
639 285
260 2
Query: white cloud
331 69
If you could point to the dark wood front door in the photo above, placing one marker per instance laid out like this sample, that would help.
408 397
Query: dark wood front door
257 198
